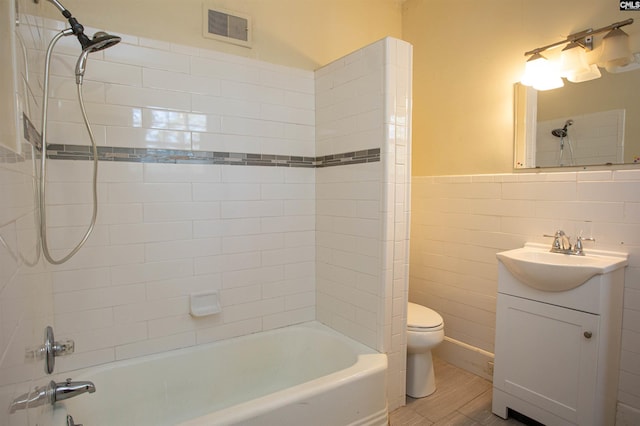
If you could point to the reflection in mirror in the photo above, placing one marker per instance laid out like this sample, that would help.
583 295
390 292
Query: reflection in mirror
591 123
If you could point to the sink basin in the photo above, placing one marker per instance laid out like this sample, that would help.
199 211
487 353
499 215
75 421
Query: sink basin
537 267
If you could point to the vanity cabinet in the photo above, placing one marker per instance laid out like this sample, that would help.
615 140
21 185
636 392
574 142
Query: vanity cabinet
557 353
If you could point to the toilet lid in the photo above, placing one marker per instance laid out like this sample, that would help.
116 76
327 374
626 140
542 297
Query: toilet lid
419 316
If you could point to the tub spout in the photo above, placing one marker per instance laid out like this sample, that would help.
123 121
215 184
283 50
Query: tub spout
69 389
51 393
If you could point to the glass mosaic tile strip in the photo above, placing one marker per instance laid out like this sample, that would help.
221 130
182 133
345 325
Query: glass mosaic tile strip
172 156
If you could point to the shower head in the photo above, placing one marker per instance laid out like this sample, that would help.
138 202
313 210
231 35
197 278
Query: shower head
100 40
562 133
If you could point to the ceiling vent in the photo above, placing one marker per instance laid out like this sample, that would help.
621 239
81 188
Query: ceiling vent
227 26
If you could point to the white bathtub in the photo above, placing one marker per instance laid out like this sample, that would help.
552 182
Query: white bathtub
305 374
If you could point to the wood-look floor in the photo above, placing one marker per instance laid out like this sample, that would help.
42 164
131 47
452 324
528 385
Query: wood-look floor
460 399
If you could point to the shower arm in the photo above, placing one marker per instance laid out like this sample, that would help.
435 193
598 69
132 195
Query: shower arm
76 26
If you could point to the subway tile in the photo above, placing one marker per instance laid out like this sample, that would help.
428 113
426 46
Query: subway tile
239 125
174 173
80 360
225 192
609 191
105 338
228 108
183 286
148 57
225 227
244 209
80 279
256 309
151 346
239 295
228 70
169 212
162 327
147 97
149 232
289 317
247 174
151 271
227 331
83 300
108 72
148 138
79 321
252 92
288 223
226 262
252 276
75 133
148 192
169 250
148 310
161 79
249 243
154 118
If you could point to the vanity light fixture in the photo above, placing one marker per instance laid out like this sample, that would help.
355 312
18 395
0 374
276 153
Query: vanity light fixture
543 75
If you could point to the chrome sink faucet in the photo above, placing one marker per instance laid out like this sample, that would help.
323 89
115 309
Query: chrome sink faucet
51 393
562 244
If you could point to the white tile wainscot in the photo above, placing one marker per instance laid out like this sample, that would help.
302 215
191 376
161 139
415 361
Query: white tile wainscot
459 223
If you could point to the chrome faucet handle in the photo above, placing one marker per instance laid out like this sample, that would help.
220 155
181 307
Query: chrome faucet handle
578 249
560 241
49 350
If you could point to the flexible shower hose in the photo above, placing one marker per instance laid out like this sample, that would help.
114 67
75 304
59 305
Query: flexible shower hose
43 170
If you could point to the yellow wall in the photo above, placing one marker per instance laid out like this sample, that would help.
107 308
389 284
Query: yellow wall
467 56
299 33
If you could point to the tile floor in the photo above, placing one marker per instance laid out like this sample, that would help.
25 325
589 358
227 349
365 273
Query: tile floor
461 399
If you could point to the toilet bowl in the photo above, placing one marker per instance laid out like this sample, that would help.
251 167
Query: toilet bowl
425 330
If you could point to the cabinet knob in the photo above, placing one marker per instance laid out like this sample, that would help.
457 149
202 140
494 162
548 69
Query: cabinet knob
588 334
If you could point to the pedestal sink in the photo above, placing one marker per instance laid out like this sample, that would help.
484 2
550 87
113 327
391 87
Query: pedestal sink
537 267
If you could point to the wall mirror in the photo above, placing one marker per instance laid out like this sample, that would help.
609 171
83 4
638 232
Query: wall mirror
595 122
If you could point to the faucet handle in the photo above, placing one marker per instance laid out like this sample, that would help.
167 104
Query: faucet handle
577 249
558 238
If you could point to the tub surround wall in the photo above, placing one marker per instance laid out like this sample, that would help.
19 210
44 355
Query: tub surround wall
25 283
183 207
461 222
363 211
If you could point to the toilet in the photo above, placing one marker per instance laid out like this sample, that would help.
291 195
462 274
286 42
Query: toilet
425 330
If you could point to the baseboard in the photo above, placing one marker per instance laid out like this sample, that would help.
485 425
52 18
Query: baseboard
467 357
627 416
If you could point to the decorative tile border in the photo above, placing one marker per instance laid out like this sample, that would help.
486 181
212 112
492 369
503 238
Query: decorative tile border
173 156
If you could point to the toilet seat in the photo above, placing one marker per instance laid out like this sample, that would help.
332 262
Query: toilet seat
421 318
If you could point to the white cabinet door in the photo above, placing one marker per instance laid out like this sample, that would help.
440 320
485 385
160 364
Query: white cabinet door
547 355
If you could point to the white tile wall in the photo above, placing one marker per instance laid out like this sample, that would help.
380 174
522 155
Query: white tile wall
167 230
230 228
460 222
156 95
362 235
26 304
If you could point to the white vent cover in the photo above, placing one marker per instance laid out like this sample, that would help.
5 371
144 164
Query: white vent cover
227 26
